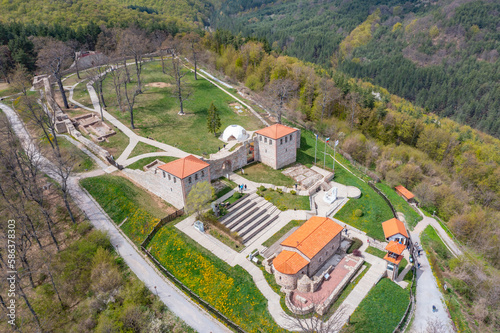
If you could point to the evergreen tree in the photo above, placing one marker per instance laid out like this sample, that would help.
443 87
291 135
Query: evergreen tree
213 119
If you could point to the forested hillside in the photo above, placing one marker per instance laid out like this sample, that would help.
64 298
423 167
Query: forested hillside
442 55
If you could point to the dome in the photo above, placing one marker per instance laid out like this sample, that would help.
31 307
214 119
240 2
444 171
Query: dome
234 132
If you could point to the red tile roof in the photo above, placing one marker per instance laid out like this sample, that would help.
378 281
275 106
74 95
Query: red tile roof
393 227
184 167
404 192
276 131
395 247
394 261
288 262
313 235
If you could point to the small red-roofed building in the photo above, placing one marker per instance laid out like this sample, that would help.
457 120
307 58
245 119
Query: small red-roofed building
277 145
306 250
407 195
180 176
395 230
393 257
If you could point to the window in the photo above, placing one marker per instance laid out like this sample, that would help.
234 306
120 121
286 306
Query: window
280 278
270 142
169 178
286 139
265 140
202 173
163 174
260 137
195 176
175 180
281 141
189 180
291 137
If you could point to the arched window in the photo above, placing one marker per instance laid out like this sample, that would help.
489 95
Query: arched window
202 173
195 176
189 180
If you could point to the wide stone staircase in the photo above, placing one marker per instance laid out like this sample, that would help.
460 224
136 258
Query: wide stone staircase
250 216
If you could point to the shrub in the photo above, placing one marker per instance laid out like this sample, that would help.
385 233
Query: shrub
282 207
280 191
358 213
356 244
357 253
237 195
293 192
262 188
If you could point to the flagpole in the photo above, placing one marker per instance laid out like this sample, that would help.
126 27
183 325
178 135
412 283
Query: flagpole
316 149
324 160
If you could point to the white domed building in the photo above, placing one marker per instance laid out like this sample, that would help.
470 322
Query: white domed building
234 132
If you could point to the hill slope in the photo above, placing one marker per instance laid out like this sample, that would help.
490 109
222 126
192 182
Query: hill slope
443 55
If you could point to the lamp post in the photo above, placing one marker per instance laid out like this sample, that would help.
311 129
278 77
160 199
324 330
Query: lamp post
324 160
334 148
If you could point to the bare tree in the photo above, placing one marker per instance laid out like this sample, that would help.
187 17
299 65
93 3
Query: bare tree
281 90
53 58
75 47
192 42
135 42
328 93
117 73
98 73
130 97
157 39
177 70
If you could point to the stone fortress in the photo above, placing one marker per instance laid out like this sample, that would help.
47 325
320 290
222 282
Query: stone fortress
275 146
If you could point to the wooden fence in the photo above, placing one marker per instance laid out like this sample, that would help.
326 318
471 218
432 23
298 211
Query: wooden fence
160 224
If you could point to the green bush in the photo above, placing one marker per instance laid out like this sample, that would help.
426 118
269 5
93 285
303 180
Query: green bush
293 192
282 207
280 191
262 188
356 244
358 213
237 195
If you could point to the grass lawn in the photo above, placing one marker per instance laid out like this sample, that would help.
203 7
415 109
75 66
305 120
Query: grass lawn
143 148
116 144
225 239
381 310
155 112
231 290
402 265
121 200
138 165
375 209
261 173
82 162
432 242
356 244
376 252
282 231
236 196
411 216
81 94
285 201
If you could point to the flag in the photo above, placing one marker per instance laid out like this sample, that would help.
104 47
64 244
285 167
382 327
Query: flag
336 143
327 139
316 136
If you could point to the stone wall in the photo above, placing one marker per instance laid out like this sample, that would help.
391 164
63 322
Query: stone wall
286 150
267 150
236 160
286 281
198 177
172 188
319 259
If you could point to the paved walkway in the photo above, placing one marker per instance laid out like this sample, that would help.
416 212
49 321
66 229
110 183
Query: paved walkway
175 300
133 137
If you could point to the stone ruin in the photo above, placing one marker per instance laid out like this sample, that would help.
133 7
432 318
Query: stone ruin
92 125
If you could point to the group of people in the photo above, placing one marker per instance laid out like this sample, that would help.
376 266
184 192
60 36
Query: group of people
242 187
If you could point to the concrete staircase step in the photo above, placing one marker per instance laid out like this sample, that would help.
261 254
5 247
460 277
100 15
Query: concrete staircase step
262 227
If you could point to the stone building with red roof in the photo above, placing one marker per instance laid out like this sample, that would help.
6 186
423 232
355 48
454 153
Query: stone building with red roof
180 176
306 250
277 145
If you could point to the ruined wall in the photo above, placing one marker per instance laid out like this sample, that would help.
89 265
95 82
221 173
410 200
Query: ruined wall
234 161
